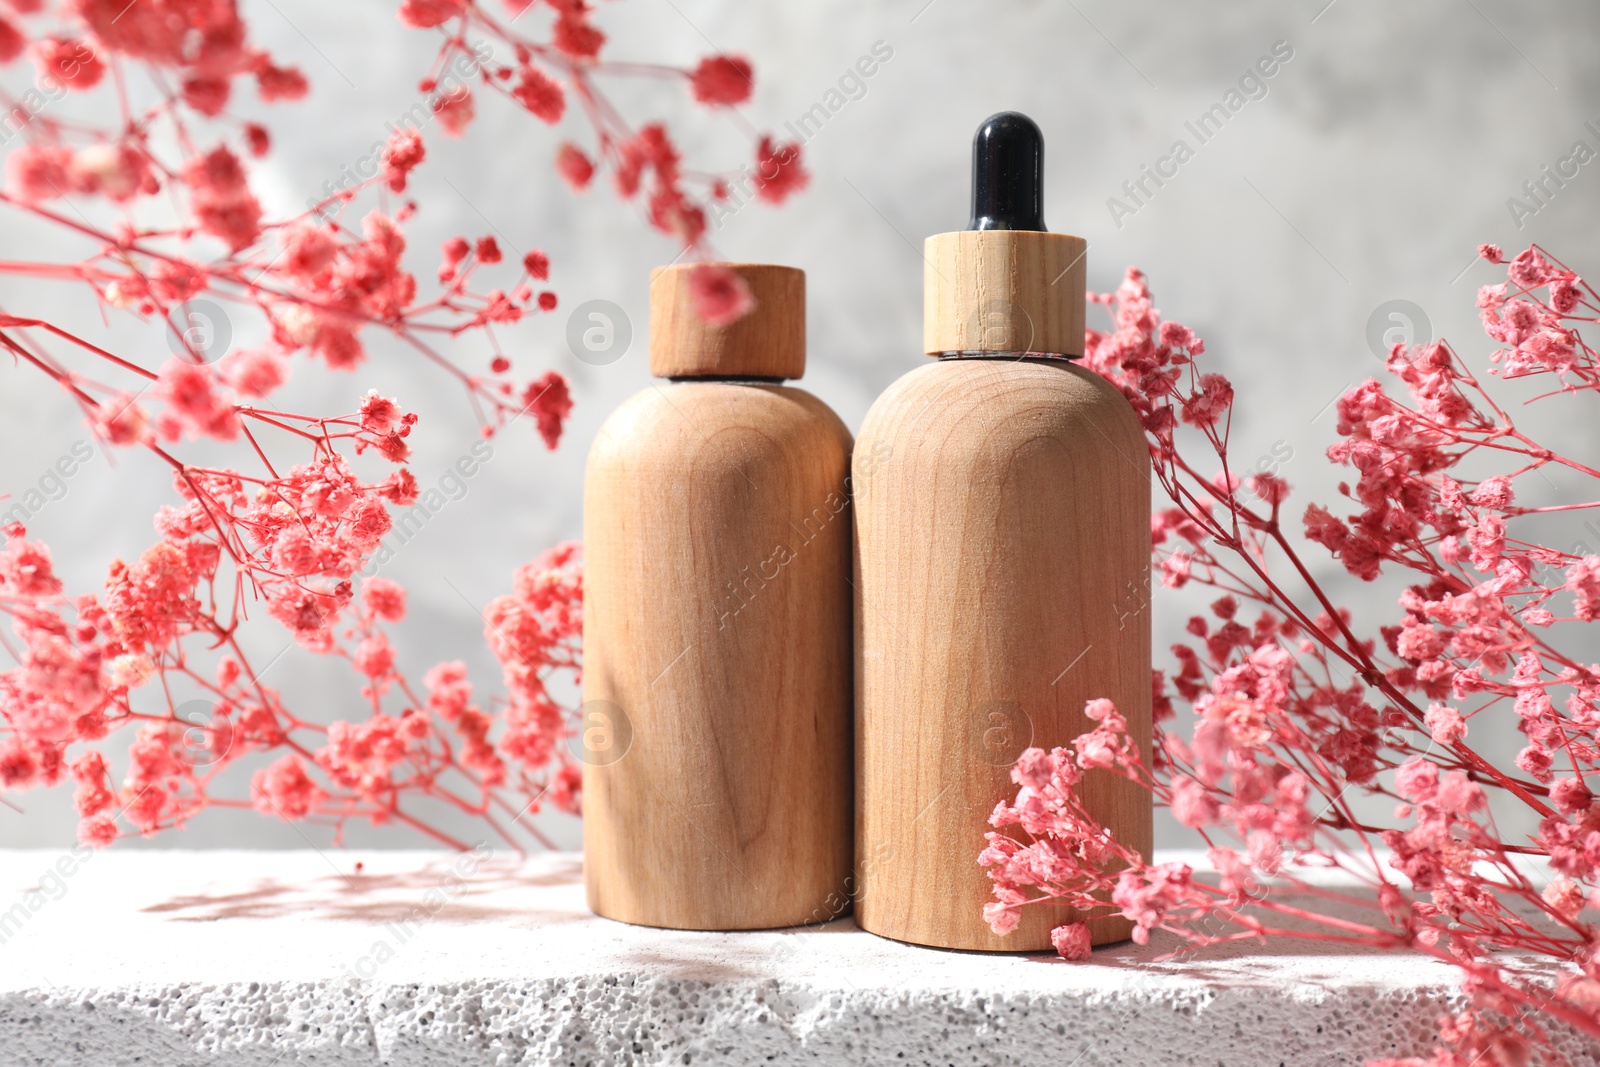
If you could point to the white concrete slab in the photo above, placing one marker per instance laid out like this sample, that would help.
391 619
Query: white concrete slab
264 958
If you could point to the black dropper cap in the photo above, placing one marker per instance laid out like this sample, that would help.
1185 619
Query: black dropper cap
1007 174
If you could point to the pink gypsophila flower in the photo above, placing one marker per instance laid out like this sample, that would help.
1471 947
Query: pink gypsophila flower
401 155
97 832
120 421
1192 805
540 94
191 395
719 296
575 35
308 250
1071 941
12 41
1564 896
722 80
69 62
374 657
1583 579
379 414
284 789
1146 896
549 400
118 172
37 172
1445 724
1495 492
425 14
1417 779
455 110
386 599
281 83
779 173
1214 397
255 372
574 167
223 203
1571 796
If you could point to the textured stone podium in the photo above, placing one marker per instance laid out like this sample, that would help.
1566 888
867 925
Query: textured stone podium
254 959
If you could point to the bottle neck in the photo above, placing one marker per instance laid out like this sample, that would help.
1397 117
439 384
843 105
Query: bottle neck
1012 357
729 379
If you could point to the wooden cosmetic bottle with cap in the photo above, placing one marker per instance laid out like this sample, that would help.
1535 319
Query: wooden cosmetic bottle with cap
1002 505
716 631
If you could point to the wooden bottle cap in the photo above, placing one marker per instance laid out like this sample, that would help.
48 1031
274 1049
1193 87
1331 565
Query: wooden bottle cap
1003 291
769 342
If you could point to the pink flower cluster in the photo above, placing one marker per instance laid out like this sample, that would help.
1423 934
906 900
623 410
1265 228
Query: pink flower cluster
545 76
90 665
279 536
1279 710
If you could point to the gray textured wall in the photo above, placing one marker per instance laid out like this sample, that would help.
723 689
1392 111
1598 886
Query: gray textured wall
1380 155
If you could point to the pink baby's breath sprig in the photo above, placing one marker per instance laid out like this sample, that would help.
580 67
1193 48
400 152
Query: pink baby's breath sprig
1282 711
162 199
548 73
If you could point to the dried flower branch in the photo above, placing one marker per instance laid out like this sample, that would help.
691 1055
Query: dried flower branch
160 196
1291 711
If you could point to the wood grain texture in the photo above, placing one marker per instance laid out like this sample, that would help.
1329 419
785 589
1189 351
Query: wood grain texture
1002 570
717 618
769 342
1003 291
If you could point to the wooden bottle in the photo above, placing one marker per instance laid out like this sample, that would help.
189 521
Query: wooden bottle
1002 500
716 636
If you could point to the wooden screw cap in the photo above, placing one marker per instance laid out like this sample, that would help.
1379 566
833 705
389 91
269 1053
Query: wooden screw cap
1004 284
769 342
1003 291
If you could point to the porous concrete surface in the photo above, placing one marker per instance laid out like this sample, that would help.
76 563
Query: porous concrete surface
259 959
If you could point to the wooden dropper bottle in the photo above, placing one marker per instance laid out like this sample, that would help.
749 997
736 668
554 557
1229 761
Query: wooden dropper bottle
1002 500
716 630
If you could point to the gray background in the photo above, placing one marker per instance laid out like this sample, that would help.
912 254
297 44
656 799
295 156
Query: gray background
1382 154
